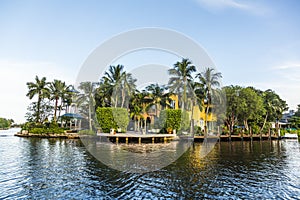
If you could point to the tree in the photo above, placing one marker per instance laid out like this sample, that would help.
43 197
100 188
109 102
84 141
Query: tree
46 110
127 85
159 96
118 85
250 106
86 99
297 113
273 105
139 105
209 80
233 100
181 76
58 89
5 123
136 109
38 88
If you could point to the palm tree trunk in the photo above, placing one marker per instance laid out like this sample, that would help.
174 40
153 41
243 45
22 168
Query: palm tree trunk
116 102
90 116
265 121
123 98
192 117
246 124
38 108
55 108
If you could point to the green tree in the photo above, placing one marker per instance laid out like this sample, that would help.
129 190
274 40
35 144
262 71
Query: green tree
297 113
38 88
136 109
58 89
118 86
232 106
86 99
273 105
209 80
250 106
46 110
181 76
5 123
159 96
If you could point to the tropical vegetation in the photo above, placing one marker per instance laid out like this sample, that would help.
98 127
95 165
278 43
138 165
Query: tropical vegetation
115 102
5 123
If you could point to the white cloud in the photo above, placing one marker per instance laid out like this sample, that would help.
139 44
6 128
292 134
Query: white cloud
252 7
222 4
13 78
289 71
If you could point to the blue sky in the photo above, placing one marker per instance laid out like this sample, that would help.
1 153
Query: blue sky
253 43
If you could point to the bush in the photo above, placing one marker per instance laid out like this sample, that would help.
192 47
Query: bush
174 119
87 132
185 121
255 129
112 118
46 130
198 130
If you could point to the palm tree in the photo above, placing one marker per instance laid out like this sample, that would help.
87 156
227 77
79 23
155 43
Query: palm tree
136 109
58 89
209 80
117 85
128 87
39 88
160 98
181 76
66 97
86 98
274 106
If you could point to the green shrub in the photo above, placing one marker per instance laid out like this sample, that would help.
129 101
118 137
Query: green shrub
87 132
173 118
46 130
185 121
198 130
112 118
255 129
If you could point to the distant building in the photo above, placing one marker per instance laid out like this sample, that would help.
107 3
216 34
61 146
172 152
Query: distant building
286 116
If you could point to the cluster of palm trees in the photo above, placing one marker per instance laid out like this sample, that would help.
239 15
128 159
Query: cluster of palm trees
117 88
57 92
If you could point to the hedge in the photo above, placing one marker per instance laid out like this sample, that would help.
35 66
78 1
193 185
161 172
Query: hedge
112 118
174 119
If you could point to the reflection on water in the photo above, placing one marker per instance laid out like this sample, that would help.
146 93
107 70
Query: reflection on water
63 169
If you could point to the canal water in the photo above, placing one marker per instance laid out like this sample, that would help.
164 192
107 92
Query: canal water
32 168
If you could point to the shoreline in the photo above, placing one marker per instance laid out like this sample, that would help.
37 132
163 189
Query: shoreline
139 137
49 135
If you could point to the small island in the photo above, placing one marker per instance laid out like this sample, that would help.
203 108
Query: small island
191 104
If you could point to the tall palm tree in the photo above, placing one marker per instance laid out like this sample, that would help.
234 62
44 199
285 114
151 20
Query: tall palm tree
66 97
181 76
118 85
209 80
86 98
127 87
57 91
39 88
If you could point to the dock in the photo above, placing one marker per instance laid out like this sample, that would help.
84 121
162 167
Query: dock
132 137
239 137
154 138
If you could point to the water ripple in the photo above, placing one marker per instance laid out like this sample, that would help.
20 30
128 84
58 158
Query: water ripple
63 169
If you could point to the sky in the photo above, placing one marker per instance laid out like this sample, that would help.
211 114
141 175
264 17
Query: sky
252 43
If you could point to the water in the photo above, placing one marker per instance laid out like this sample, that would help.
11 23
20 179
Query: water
32 168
